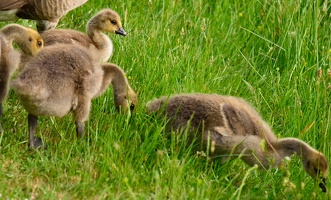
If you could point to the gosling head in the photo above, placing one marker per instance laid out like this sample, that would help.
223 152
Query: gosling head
126 101
30 42
317 167
109 21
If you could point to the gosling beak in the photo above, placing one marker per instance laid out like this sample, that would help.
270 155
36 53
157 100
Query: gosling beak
120 31
323 185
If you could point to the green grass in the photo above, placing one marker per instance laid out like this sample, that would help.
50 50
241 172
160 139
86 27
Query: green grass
268 52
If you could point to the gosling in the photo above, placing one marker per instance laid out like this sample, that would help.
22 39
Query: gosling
47 13
64 78
95 40
30 43
232 126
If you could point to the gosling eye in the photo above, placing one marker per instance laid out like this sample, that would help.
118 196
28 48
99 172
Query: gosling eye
132 107
40 43
30 39
113 22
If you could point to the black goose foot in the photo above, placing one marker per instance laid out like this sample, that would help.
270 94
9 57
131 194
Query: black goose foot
38 144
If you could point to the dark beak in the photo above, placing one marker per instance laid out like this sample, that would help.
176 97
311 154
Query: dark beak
323 185
120 31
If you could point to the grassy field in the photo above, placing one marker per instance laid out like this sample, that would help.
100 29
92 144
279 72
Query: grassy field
268 52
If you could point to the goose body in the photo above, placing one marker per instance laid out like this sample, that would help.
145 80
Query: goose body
95 40
234 127
47 13
29 42
64 78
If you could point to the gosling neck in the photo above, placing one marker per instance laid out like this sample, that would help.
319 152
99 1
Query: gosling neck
118 79
12 32
289 146
115 75
101 40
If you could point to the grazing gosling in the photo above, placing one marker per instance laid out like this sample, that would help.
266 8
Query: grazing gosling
30 43
232 126
64 78
95 40
47 13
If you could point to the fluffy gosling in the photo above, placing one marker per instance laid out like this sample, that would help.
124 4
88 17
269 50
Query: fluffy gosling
29 42
234 127
95 40
65 78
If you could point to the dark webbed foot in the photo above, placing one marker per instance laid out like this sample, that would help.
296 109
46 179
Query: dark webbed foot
37 144
34 143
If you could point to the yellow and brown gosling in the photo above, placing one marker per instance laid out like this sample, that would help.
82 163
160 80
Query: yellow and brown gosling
65 78
30 43
232 126
47 13
95 40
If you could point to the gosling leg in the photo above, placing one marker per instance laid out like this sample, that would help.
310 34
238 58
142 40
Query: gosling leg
34 143
81 114
80 128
